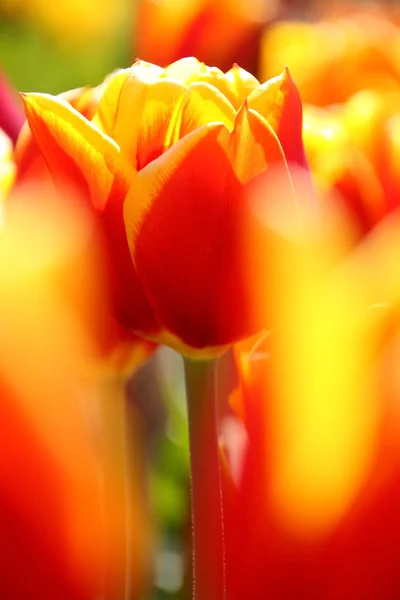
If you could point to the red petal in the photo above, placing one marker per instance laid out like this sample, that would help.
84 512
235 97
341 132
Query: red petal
184 218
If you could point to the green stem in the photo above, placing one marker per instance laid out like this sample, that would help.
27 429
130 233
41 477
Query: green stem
206 484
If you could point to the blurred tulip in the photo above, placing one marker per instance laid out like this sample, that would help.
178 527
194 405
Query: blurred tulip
314 512
168 188
7 166
67 526
333 58
218 32
122 351
11 113
353 150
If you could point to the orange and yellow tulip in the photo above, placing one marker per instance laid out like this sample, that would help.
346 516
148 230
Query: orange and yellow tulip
165 160
121 350
218 32
313 513
353 150
335 57
64 521
30 163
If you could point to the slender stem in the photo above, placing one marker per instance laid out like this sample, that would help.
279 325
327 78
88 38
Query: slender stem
206 484
115 476
128 500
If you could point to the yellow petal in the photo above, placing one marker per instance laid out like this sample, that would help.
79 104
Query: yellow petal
144 118
264 99
190 70
104 117
253 146
242 84
279 102
108 104
186 70
75 150
202 104
146 71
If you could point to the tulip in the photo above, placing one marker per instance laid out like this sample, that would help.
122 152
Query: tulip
335 57
165 160
122 351
353 149
11 113
67 527
218 32
314 509
30 163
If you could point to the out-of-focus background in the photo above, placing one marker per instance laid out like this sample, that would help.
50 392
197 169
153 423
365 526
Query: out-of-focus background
54 46
332 52
51 47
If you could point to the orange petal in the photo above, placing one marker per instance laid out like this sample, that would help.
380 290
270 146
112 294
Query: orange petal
253 146
278 101
183 218
75 151
29 160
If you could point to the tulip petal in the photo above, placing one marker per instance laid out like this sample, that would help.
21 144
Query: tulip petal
146 71
143 117
202 104
74 150
190 70
84 99
130 304
183 218
104 117
278 101
29 159
186 70
254 146
242 84
108 105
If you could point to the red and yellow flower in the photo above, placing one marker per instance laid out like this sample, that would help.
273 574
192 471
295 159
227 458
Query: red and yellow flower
63 475
165 160
353 150
122 351
337 55
313 513
218 32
